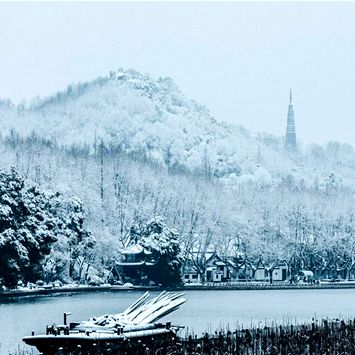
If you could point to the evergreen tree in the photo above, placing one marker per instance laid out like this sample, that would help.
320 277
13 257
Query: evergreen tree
162 242
31 221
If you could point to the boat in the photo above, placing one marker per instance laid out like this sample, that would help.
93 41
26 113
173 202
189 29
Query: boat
132 331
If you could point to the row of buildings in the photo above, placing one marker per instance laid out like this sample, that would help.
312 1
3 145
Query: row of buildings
217 269
212 268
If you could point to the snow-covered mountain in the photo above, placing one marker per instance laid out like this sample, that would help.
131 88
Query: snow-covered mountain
219 185
153 119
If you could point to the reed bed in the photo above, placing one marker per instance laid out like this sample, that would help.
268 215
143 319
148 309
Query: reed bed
325 337
317 338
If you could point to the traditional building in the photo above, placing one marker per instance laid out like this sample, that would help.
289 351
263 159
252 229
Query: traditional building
215 269
279 272
135 256
133 263
290 141
260 272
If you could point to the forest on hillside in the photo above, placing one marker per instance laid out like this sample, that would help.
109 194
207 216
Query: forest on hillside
310 226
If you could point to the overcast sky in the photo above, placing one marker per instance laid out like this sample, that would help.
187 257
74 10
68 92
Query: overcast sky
239 59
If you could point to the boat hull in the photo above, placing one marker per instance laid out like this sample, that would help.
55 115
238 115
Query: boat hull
102 343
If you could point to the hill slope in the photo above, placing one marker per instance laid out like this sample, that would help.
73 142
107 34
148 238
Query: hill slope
153 120
276 204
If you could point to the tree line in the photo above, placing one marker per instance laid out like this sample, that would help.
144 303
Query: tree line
306 225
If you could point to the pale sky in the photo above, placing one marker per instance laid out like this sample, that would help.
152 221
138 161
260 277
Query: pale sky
239 59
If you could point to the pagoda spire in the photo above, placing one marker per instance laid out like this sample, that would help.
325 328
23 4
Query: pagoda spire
290 96
290 141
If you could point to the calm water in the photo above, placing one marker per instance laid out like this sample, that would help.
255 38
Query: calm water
204 310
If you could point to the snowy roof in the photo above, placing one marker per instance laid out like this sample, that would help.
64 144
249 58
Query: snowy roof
138 263
280 264
231 263
134 249
208 252
220 263
209 255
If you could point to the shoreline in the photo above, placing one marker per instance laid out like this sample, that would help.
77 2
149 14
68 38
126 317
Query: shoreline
311 337
93 289
256 287
70 290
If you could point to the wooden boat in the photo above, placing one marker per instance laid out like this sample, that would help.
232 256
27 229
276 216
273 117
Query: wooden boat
131 331
103 342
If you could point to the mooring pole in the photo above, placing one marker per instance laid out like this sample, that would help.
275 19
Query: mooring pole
66 314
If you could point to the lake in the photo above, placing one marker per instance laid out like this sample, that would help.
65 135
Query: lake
204 310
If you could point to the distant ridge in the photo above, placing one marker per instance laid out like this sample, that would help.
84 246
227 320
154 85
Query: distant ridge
154 119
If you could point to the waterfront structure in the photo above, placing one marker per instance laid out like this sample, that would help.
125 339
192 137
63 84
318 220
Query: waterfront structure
290 139
279 273
215 269
133 263
135 256
260 272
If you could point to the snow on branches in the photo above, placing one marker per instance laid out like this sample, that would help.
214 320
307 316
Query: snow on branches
31 222
162 242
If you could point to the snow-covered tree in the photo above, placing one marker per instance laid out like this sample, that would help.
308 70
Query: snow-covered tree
31 222
162 241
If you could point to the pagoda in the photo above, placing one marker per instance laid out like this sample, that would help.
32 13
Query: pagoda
290 141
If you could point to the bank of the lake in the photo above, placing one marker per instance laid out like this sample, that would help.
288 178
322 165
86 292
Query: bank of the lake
37 292
205 309
192 287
